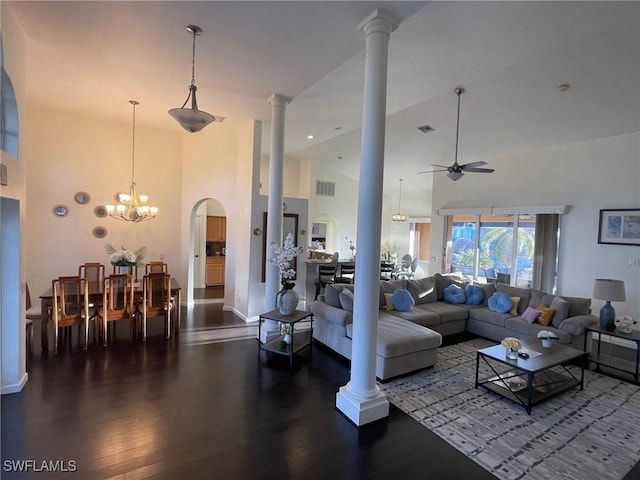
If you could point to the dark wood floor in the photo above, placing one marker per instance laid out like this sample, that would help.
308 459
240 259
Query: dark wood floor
168 410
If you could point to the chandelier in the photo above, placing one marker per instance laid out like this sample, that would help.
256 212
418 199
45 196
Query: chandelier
399 218
131 207
192 119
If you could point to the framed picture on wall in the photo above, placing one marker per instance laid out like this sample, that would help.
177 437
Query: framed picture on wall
619 227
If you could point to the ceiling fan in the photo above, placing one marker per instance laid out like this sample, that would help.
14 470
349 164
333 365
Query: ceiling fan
456 171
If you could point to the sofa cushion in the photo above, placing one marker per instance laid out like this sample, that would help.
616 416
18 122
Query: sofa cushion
421 315
546 315
500 303
443 281
523 293
483 314
539 298
531 314
488 289
390 286
474 295
398 337
402 300
578 305
561 306
388 302
332 295
454 294
520 326
515 301
423 290
346 300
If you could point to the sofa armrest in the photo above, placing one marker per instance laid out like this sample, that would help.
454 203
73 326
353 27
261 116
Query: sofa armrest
576 325
331 314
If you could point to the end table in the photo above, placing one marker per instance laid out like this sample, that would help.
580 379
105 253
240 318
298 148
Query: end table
300 340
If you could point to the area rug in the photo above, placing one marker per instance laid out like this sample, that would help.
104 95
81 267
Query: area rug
588 434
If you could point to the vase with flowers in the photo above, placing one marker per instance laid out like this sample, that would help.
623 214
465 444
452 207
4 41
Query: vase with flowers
286 298
546 337
124 260
512 346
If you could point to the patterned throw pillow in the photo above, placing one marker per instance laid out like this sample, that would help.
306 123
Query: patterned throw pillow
402 300
546 315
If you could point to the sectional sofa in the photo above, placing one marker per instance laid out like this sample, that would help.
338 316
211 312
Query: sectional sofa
416 332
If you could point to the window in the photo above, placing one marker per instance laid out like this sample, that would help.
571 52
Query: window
8 116
518 249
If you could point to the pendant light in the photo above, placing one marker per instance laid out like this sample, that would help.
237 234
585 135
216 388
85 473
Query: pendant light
192 119
399 218
131 207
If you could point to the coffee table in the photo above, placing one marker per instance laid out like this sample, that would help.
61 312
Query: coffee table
529 381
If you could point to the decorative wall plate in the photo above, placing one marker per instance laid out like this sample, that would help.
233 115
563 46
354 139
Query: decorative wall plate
82 198
100 211
99 232
60 210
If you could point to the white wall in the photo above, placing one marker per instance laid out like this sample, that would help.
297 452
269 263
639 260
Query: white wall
587 176
68 153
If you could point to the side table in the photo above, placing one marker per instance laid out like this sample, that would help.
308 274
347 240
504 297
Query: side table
611 361
299 340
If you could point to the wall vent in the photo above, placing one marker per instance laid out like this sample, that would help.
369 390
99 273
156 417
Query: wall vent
326 189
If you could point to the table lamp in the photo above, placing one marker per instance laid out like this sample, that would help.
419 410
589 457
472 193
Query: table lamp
610 291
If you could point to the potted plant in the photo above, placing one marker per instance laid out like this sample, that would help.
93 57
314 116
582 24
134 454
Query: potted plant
125 258
546 336
512 345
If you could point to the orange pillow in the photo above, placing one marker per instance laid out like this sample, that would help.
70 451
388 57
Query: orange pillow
546 315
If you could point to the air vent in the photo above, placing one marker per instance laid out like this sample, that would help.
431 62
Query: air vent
326 189
425 129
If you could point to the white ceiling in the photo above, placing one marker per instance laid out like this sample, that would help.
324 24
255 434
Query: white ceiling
92 57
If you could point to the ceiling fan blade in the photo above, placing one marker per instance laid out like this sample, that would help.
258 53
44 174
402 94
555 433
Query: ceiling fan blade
439 166
479 170
467 166
433 171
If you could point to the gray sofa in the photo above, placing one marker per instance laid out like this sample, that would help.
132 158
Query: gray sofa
333 316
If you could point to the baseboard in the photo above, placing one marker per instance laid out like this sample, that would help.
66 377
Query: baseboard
8 389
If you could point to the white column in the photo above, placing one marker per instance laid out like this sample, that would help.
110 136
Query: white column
361 400
278 103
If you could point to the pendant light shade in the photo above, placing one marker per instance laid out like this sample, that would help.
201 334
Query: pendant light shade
190 118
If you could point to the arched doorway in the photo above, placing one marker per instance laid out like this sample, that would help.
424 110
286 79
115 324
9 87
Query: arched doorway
208 245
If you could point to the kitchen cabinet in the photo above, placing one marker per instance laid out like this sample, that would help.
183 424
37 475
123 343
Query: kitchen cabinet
214 271
216 229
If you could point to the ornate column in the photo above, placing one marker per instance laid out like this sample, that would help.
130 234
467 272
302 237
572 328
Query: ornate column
361 400
274 209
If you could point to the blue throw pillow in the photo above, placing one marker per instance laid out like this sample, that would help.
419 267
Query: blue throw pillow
402 300
454 294
500 302
475 295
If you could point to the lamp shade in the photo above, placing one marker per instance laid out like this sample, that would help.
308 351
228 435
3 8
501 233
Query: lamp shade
609 290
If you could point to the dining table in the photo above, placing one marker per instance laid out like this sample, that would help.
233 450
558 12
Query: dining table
96 290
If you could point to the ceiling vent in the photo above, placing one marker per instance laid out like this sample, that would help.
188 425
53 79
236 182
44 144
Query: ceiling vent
325 189
425 129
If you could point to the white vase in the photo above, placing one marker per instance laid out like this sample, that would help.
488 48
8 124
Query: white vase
511 353
287 338
287 301
546 342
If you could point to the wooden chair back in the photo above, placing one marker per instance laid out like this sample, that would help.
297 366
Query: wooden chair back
93 272
156 300
70 305
117 301
156 267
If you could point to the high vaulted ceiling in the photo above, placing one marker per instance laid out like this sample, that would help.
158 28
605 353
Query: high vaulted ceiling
92 57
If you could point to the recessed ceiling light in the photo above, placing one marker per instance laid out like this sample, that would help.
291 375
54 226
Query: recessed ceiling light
309 137
563 87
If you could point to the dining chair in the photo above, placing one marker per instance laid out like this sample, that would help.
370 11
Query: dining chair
347 274
31 313
326 275
70 306
410 271
491 275
93 272
156 301
156 267
117 303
